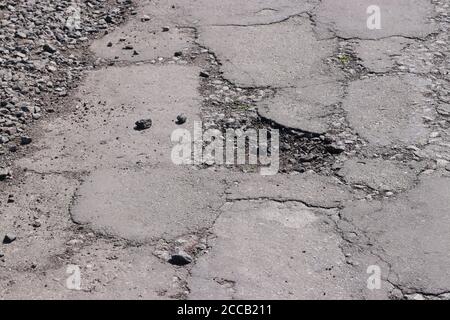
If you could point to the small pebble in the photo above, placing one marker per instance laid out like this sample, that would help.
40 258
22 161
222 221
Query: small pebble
181 119
9 238
24 140
143 124
180 259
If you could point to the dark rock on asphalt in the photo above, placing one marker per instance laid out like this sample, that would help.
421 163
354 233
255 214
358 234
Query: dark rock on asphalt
25 140
4 173
180 259
181 119
9 238
143 124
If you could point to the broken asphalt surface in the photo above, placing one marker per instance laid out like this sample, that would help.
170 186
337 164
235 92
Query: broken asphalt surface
93 192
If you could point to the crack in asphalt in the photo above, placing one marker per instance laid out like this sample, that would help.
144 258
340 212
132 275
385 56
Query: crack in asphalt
262 24
207 231
283 200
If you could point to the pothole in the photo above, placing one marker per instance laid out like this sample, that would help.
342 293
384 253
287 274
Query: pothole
347 60
41 64
183 251
227 106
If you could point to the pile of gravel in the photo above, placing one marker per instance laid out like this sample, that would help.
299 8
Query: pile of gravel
43 52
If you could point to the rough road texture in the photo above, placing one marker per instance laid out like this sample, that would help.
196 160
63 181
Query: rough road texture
364 118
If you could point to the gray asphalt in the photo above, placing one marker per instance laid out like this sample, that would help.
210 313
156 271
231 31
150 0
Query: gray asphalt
110 200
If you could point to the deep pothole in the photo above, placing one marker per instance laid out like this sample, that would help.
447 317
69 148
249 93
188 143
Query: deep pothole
227 106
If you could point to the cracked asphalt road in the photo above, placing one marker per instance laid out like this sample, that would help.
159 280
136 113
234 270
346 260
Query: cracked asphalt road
94 193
